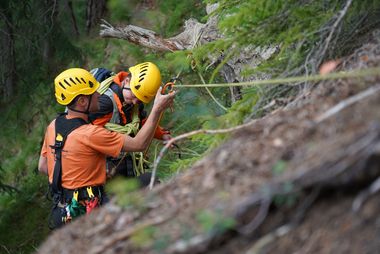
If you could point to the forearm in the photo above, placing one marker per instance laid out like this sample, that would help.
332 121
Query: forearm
145 135
42 165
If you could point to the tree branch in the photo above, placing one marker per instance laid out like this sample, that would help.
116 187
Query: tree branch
186 135
140 36
348 102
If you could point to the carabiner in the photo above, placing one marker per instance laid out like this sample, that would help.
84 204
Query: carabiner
168 86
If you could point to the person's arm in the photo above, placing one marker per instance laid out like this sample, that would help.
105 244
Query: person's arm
160 133
143 138
42 165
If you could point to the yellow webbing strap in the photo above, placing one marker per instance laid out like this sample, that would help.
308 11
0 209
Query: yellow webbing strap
89 192
105 84
75 195
131 128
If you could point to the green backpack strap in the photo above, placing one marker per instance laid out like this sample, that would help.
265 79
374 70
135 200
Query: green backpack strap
105 84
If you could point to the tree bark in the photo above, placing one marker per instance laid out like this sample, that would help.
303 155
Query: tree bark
9 61
73 19
94 12
140 36
50 22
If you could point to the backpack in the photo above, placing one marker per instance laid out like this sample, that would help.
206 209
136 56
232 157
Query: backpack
104 77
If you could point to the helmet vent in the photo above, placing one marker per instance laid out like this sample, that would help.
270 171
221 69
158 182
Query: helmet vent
67 83
84 81
63 97
62 85
141 79
77 79
90 84
137 87
72 80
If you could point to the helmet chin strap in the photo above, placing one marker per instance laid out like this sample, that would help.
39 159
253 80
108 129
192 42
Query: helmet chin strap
87 111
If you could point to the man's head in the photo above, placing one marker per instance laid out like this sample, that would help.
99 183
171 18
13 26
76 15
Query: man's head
129 97
143 83
73 84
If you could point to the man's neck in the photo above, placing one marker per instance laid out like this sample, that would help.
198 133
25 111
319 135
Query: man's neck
74 114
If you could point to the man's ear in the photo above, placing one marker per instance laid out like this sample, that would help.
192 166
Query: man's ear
82 100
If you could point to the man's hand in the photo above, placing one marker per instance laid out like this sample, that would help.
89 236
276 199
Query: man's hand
166 137
163 101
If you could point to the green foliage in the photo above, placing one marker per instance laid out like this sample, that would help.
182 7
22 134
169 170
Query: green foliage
121 10
279 167
297 26
161 242
24 216
125 192
143 237
214 222
288 199
178 11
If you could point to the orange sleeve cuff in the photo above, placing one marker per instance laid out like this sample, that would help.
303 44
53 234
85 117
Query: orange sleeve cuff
159 132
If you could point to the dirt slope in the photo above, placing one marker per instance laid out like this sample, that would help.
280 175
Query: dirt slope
285 184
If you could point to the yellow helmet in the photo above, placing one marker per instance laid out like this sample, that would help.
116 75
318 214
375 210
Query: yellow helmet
73 82
145 81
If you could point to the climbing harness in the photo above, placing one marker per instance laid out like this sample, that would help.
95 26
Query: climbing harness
69 204
63 127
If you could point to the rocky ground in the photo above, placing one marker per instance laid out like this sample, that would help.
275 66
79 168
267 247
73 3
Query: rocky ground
291 182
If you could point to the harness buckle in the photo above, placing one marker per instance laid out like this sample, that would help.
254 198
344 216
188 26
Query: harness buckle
90 193
75 195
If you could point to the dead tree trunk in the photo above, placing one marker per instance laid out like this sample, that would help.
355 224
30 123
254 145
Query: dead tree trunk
73 19
50 21
94 12
8 58
140 36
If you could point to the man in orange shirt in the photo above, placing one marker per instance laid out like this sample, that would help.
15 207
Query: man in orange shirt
76 167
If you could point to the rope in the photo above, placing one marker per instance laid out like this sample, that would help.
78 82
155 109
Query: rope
319 77
131 128
351 74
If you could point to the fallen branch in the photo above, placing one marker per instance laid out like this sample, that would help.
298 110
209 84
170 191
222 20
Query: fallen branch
335 25
268 238
364 195
123 235
140 36
348 102
186 135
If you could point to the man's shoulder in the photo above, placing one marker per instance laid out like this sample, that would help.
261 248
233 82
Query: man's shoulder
95 132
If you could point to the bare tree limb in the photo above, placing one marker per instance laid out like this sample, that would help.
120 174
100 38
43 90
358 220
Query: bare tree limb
189 134
140 36
125 234
335 25
348 102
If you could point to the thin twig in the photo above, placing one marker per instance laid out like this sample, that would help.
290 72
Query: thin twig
348 102
211 95
364 195
189 134
340 17
130 231
270 237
